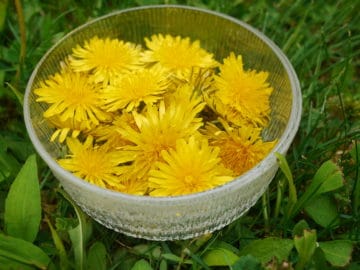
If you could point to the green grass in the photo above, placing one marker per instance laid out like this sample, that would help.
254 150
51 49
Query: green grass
300 229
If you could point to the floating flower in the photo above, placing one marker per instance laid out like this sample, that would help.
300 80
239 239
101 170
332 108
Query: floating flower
247 92
96 164
193 166
176 54
131 89
71 96
241 148
158 129
105 58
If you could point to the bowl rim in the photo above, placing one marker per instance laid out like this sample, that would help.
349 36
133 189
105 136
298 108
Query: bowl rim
264 165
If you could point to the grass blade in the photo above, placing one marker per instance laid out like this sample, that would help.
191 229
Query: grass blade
80 234
3 8
284 166
64 262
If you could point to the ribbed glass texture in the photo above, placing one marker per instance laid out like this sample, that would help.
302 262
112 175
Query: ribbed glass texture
188 216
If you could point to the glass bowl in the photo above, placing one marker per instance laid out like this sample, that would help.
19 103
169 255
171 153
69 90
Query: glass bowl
180 217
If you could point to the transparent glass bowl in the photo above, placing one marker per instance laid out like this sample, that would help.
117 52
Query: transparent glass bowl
182 217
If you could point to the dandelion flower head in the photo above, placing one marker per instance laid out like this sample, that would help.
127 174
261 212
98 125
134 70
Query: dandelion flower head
68 127
132 185
246 91
241 148
97 165
193 166
71 96
158 129
108 133
105 58
129 90
176 54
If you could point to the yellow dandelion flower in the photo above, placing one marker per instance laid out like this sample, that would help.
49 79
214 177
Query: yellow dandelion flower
71 96
158 129
227 112
182 95
96 164
247 92
200 78
241 148
130 90
176 54
108 133
195 82
191 167
105 58
133 186
68 127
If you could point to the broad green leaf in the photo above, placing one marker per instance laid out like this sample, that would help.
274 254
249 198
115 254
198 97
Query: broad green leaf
142 265
163 265
196 259
96 257
23 204
80 234
300 227
174 258
142 249
305 246
266 249
64 262
337 252
323 211
224 245
171 257
247 262
318 260
150 250
22 251
220 257
8 264
328 178
123 259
